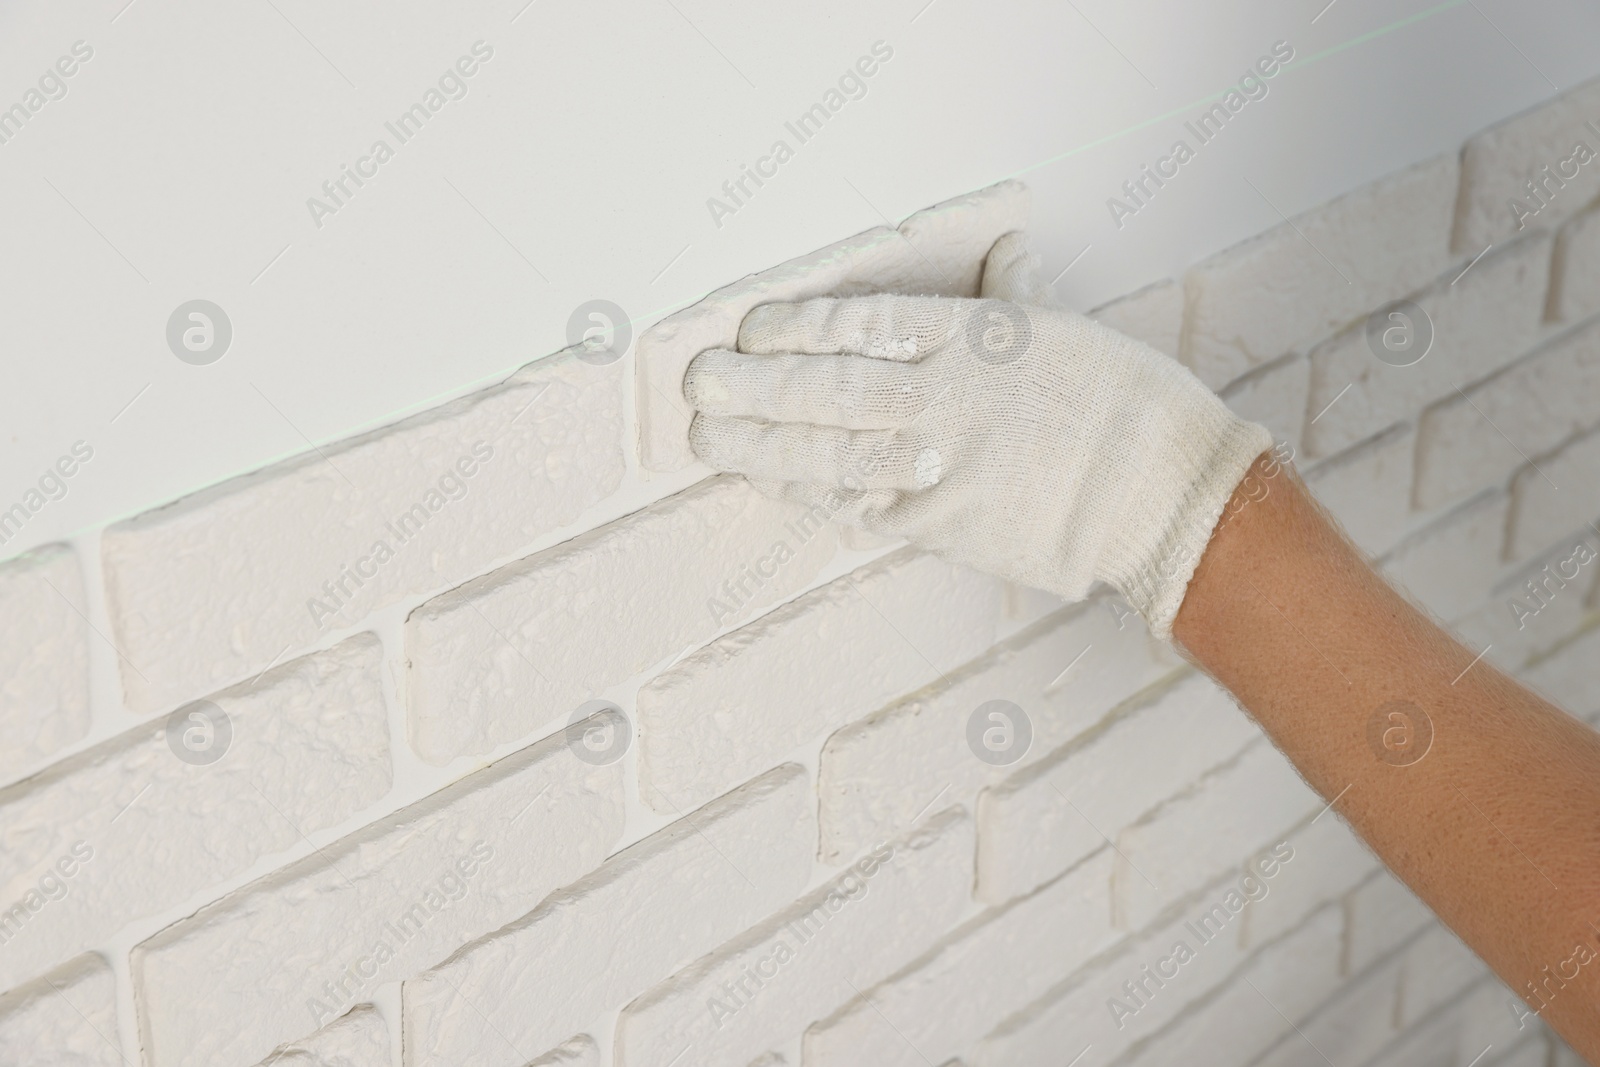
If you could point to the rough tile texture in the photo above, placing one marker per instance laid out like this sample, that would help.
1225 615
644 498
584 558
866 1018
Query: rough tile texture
1536 146
357 1039
1481 321
140 829
660 904
890 627
1302 280
283 954
490 660
44 656
67 1018
1154 315
214 587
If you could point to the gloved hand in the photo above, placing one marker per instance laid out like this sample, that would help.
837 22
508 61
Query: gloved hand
1028 442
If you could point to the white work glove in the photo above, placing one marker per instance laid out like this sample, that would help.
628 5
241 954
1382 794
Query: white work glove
1028 442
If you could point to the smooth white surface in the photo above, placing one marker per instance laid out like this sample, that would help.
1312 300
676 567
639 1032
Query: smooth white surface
585 150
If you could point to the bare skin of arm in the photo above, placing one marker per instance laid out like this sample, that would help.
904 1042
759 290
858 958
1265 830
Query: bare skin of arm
1496 826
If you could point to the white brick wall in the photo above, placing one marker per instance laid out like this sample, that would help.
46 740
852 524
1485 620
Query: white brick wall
68 1015
746 699
1481 320
1528 408
810 958
794 855
664 902
1154 315
490 660
1498 164
1301 280
876 775
933 1010
285 951
1448 566
1232 811
1554 493
1040 821
1288 979
358 1038
44 656
141 830
218 585
1575 291
1368 488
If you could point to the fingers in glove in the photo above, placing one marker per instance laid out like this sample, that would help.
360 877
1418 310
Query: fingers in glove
899 328
1011 272
849 391
827 455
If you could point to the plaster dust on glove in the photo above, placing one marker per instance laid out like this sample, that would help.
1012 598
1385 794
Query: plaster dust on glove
1019 439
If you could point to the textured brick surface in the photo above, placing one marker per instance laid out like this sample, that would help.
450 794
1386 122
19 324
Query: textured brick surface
808 959
491 660
1040 821
1497 164
1302 280
140 829
67 1018
940 251
1536 607
1329 861
1382 913
44 656
280 953
1486 1018
1368 489
1275 397
581 1051
1575 289
1285 980
935 1010
1555 495
359 1038
1065 673
1095 1008
1482 320
1381 1004
1532 1052
1564 1057
1154 315
1475 438
1430 1044
1447 566
665 901
812 665
209 589
1358 1022
1570 675
1435 969
1243 806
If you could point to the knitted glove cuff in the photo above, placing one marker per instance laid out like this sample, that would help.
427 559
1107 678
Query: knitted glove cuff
1192 479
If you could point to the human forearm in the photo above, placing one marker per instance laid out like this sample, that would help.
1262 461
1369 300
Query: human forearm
1495 822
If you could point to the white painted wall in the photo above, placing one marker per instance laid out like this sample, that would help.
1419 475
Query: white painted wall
578 166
